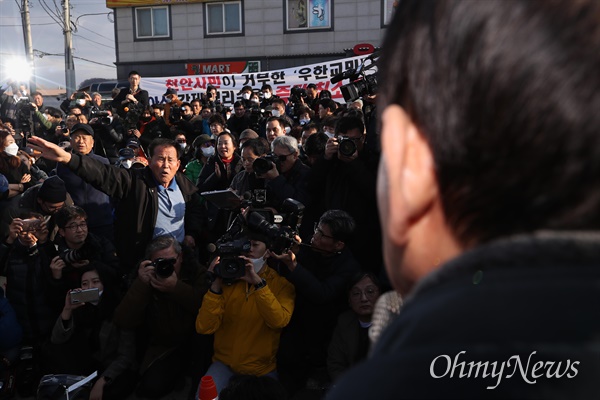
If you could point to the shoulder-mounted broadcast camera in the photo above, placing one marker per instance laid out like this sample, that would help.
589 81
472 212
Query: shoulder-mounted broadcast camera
279 230
360 84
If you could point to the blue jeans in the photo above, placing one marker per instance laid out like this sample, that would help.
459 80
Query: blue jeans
221 374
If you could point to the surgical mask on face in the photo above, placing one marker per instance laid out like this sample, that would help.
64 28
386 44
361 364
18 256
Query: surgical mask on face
267 95
257 263
80 102
304 121
11 149
182 145
126 164
330 135
246 96
208 151
228 115
287 130
275 113
168 99
255 100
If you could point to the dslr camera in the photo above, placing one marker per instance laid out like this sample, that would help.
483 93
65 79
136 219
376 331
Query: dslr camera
163 267
71 256
347 147
264 164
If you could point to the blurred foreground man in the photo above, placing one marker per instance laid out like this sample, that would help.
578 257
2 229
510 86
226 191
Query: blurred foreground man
489 200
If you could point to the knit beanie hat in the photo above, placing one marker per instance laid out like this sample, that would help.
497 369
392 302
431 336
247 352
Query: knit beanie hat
53 190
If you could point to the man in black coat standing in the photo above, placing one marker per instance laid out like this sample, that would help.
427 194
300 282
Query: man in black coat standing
152 201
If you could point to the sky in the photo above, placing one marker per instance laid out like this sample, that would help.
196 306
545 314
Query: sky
94 40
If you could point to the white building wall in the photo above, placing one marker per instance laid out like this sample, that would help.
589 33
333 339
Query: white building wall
355 21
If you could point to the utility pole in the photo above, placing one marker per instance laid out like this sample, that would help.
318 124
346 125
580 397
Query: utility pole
69 65
28 44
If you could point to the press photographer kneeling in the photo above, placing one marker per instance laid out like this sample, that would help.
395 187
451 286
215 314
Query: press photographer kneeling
247 314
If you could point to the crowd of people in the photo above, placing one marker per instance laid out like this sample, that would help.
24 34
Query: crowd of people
111 197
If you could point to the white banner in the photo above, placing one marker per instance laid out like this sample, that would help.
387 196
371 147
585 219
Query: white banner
190 87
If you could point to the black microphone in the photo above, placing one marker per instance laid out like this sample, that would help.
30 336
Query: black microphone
343 75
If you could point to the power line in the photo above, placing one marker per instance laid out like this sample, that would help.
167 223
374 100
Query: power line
93 41
95 33
94 62
6 26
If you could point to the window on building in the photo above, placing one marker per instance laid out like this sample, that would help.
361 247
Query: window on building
302 15
224 18
152 22
388 8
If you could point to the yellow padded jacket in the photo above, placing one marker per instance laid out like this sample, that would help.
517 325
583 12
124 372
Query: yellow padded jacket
247 323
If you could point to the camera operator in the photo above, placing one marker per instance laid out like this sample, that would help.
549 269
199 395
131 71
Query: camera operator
80 100
162 304
131 96
239 121
41 123
288 176
320 274
108 134
96 204
259 305
172 103
345 179
149 128
181 122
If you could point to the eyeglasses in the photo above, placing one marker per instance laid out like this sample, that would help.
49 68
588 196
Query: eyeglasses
370 292
181 141
283 157
75 227
319 232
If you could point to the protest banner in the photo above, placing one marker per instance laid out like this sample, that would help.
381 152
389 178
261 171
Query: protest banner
190 87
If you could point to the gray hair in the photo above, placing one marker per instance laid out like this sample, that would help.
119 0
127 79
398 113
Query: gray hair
162 242
289 142
96 94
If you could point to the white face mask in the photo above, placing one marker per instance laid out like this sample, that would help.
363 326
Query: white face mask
168 99
227 115
11 149
287 130
182 145
208 151
80 102
330 135
304 121
246 96
275 113
257 263
126 164
255 100
267 95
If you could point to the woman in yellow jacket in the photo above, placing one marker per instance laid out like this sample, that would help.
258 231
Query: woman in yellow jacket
246 318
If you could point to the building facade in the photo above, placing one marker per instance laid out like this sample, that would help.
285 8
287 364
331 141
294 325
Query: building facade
171 38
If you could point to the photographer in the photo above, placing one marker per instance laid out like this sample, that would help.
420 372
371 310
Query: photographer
132 96
162 304
288 176
345 179
246 180
79 100
26 255
172 103
149 128
84 338
246 317
77 248
320 273
41 124
108 134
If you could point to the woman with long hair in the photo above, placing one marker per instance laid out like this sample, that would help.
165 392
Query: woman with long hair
15 171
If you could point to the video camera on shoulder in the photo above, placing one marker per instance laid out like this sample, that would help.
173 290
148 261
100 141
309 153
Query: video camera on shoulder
103 116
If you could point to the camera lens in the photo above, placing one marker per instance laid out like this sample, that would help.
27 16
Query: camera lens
261 166
347 147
